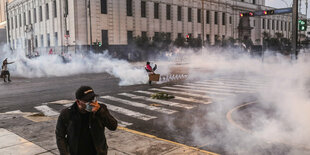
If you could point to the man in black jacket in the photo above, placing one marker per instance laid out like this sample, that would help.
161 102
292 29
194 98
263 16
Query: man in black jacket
80 127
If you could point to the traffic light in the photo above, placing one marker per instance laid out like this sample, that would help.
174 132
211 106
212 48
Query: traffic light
302 24
268 12
99 44
247 14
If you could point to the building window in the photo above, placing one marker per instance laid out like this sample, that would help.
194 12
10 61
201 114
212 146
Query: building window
48 40
189 14
12 23
105 39
215 17
156 10
208 17
36 41
281 25
16 22
129 7
179 35
199 36
24 18
143 9
277 25
34 15
268 24
254 1
208 37
272 24
40 13
168 36
254 22
230 19
104 9
47 12
144 34
55 9
289 26
179 13
20 20
29 17
66 8
199 15
42 41
168 12
223 18
129 37
285 26
56 39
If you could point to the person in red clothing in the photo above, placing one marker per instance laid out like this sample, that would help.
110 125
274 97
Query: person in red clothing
150 70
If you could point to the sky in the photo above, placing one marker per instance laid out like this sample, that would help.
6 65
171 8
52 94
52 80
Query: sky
287 3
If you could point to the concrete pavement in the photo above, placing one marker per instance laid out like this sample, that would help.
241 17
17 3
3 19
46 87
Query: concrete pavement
38 138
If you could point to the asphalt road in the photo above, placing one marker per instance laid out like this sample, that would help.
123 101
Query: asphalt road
197 119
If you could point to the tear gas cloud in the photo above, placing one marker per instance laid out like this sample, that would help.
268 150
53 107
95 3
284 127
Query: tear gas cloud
285 90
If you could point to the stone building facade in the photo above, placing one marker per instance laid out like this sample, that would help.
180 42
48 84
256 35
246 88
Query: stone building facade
45 24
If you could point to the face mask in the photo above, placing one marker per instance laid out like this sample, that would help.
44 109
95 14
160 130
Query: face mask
89 107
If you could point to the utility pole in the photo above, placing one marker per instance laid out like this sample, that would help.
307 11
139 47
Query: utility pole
295 30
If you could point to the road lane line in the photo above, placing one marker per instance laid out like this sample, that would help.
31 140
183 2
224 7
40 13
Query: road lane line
139 105
201 91
173 104
242 81
178 97
46 110
128 112
234 83
210 89
14 112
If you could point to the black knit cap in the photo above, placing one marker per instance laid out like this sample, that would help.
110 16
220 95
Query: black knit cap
85 93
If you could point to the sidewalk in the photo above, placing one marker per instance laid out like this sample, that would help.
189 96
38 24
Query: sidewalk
40 140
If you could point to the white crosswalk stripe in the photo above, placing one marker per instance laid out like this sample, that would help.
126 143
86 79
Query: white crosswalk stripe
236 84
220 87
210 89
123 123
46 110
189 99
140 105
201 91
182 93
242 81
173 104
128 112
221 84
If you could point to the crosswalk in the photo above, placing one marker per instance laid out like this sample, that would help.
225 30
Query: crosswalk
138 105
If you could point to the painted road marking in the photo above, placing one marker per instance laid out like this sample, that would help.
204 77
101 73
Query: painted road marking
219 87
200 91
123 123
228 85
243 85
189 99
47 111
139 105
210 89
182 93
256 82
129 112
14 112
173 104
62 102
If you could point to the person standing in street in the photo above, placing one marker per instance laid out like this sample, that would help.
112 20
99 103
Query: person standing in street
150 70
5 72
80 128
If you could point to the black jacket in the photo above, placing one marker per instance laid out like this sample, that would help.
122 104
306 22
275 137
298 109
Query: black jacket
69 126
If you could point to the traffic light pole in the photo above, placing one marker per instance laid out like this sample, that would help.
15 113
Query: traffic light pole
295 29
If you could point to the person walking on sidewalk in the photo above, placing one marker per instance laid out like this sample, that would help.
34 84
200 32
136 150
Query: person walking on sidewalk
5 72
80 127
